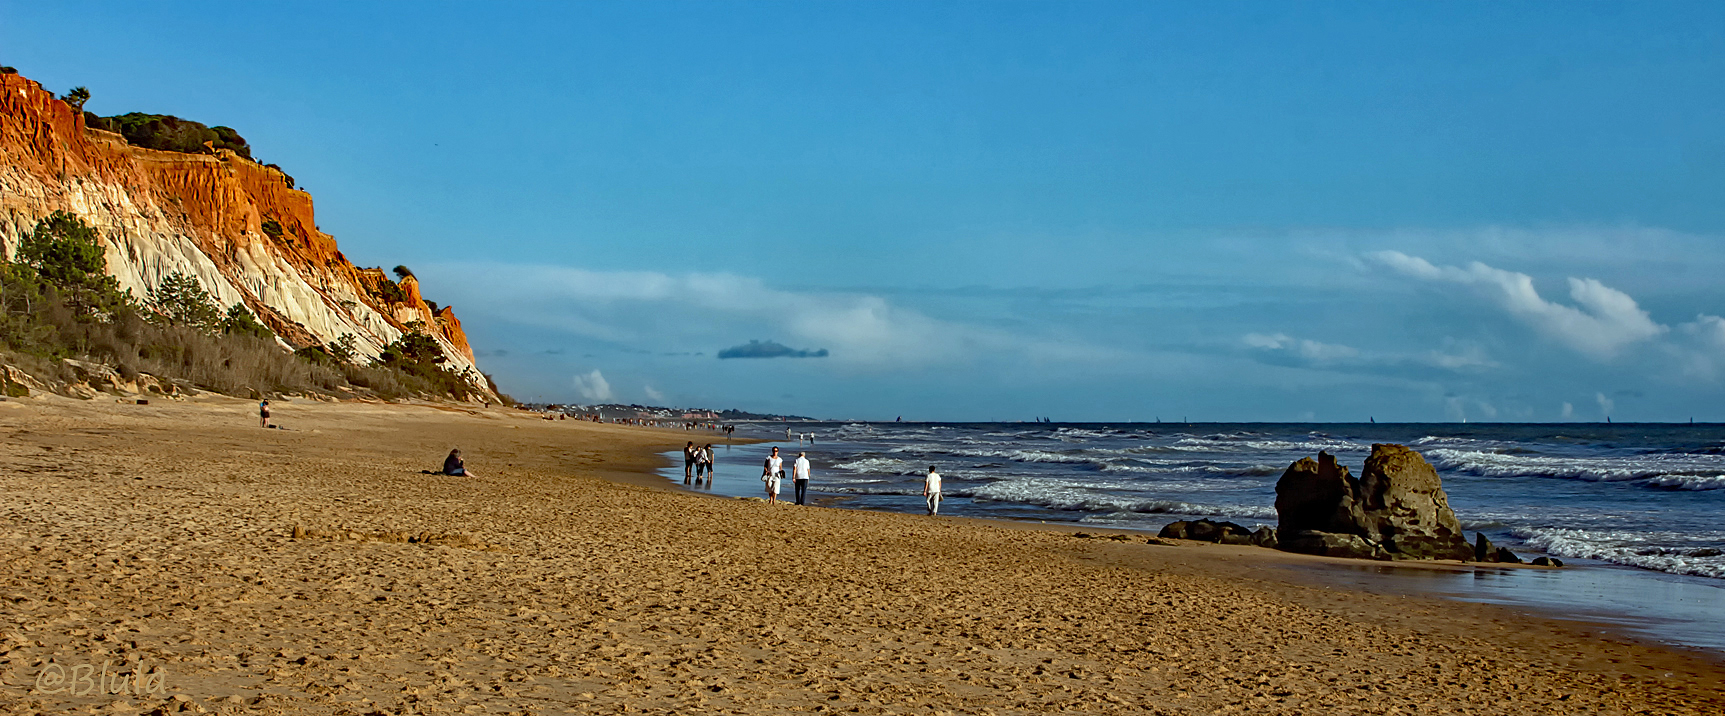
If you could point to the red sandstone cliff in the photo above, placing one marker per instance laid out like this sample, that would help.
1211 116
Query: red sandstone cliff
203 215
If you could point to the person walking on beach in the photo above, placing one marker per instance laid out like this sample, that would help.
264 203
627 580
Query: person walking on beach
707 457
931 490
688 461
771 472
703 464
800 475
264 414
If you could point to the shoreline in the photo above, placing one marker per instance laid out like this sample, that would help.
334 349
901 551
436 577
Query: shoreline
1400 578
553 581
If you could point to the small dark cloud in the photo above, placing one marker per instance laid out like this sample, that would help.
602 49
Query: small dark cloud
553 352
697 353
769 349
499 353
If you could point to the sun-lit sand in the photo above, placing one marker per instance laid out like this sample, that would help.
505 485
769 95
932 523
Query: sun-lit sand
566 579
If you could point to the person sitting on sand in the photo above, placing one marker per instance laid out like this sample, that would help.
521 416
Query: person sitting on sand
931 490
264 414
453 465
771 472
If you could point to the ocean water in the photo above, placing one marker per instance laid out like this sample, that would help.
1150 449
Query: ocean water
1646 502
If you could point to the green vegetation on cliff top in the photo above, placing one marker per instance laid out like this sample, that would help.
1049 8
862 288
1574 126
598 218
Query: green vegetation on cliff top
169 133
57 301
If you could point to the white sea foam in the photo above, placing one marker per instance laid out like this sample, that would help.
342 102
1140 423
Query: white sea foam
1230 443
1688 482
1474 444
1181 469
1064 495
1637 549
1671 471
1018 455
1081 434
881 466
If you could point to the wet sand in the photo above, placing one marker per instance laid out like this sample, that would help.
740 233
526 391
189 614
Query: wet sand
567 578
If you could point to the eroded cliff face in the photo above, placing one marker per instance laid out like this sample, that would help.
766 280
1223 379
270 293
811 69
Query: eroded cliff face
234 224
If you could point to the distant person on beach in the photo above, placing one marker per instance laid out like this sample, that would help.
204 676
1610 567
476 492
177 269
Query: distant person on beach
931 490
453 465
688 461
264 414
707 458
800 475
771 472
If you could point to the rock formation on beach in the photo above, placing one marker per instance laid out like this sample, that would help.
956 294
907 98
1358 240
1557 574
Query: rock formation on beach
1218 532
1397 509
239 227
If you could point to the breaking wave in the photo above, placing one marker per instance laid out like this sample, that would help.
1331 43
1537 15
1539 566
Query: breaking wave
1634 549
1671 472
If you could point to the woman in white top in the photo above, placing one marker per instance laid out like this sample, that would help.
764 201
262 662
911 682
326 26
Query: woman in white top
770 474
931 490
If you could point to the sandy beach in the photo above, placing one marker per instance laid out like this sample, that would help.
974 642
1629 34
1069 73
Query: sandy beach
315 569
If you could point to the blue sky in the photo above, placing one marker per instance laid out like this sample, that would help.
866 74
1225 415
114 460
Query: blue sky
981 211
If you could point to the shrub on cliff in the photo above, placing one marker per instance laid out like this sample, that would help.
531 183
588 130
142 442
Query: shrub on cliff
337 353
76 97
57 287
419 356
390 292
286 177
170 133
241 322
67 257
181 301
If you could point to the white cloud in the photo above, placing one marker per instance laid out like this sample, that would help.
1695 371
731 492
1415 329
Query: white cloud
1308 349
1458 408
710 311
1603 321
1605 404
593 386
1459 358
652 394
1468 358
1568 411
1701 347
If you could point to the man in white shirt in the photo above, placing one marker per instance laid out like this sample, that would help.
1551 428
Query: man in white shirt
800 475
771 472
931 490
